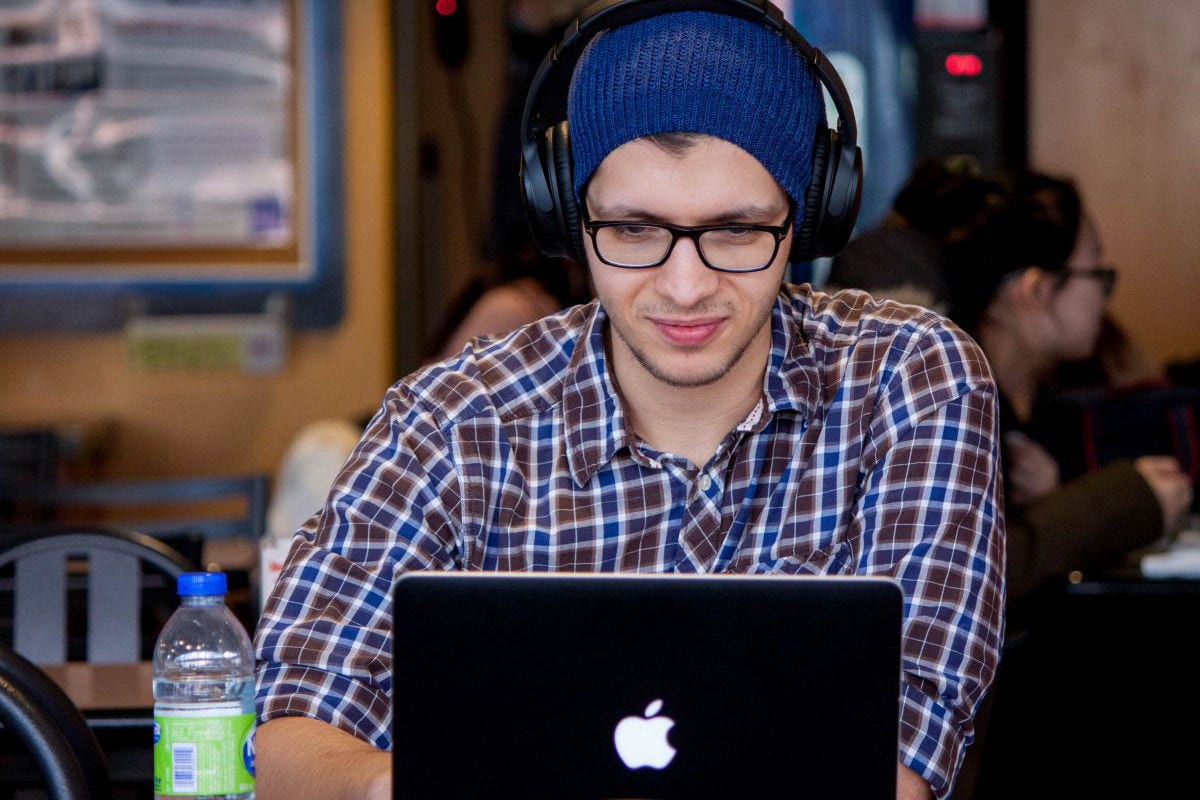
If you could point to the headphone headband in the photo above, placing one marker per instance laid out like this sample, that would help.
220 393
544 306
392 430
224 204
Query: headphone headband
550 203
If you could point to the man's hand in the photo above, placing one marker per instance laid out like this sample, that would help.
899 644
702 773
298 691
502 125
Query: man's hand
298 758
1171 486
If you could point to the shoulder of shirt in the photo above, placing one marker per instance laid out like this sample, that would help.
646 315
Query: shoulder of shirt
845 317
507 377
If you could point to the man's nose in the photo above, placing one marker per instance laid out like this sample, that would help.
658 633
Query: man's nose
683 278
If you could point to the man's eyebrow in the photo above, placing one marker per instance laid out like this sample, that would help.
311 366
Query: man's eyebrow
750 213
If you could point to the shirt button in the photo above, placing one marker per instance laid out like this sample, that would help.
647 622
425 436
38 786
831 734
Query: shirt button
705 483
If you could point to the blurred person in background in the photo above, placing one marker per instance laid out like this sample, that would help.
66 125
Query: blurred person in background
1022 273
942 202
521 285
1016 261
902 258
1026 280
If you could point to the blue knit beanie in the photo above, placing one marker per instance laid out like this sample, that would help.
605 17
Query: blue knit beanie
698 72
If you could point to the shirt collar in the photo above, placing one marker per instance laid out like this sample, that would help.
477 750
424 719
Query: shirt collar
792 382
594 419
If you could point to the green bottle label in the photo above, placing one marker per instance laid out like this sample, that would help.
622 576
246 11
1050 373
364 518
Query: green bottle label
203 750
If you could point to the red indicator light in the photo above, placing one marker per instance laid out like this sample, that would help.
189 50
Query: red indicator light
964 65
446 7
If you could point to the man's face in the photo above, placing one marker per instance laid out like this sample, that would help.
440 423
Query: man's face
682 323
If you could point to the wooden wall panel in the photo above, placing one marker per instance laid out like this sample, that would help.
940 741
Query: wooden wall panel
1115 102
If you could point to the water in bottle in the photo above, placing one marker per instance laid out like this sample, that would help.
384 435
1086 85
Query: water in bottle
203 697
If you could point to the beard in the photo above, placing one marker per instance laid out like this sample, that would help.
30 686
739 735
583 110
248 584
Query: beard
693 379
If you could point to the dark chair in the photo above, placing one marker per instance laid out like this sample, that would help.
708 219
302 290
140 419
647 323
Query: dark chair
214 507
39 715
119 567
30 454
216 522
28 457
209 519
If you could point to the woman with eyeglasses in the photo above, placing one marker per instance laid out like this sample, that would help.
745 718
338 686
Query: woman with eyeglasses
1024 276
1016 261
1027 280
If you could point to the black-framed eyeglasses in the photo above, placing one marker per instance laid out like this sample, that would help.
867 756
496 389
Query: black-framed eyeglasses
1106 275
737 247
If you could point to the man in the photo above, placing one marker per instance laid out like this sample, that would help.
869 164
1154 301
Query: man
702 416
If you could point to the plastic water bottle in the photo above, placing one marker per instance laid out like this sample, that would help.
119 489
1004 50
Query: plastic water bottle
203 697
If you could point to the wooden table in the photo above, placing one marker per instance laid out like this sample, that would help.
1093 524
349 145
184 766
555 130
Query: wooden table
105 687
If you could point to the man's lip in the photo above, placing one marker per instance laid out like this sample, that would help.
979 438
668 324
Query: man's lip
688 331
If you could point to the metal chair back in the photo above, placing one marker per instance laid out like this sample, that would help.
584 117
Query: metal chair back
42 568
189 504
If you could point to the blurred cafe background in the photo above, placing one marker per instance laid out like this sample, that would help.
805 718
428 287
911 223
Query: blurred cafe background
226 227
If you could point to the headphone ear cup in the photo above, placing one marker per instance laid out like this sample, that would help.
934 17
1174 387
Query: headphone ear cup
538 197
832 200
843 195
564 185
804 239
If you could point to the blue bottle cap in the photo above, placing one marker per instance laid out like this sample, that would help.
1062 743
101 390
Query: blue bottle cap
200 584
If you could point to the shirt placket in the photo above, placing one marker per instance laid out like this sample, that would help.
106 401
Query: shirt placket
701 532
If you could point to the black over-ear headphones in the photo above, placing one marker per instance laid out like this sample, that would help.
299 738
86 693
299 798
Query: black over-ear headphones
832 200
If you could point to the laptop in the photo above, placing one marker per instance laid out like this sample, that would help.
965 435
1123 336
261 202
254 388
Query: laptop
591 686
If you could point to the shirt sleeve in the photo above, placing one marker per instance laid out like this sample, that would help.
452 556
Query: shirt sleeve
930 513
324 642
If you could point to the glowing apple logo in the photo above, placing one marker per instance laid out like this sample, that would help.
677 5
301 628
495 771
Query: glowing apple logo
642 741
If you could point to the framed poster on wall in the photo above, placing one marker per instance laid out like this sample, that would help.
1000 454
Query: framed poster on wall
169 156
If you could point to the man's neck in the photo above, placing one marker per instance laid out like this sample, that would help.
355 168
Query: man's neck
689 421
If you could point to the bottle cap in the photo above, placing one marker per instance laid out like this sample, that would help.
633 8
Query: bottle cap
193 584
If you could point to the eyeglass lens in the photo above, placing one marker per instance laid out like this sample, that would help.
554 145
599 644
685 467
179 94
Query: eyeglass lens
1107 276
648 245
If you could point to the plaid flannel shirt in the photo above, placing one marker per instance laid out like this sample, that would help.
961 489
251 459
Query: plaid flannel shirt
873 451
